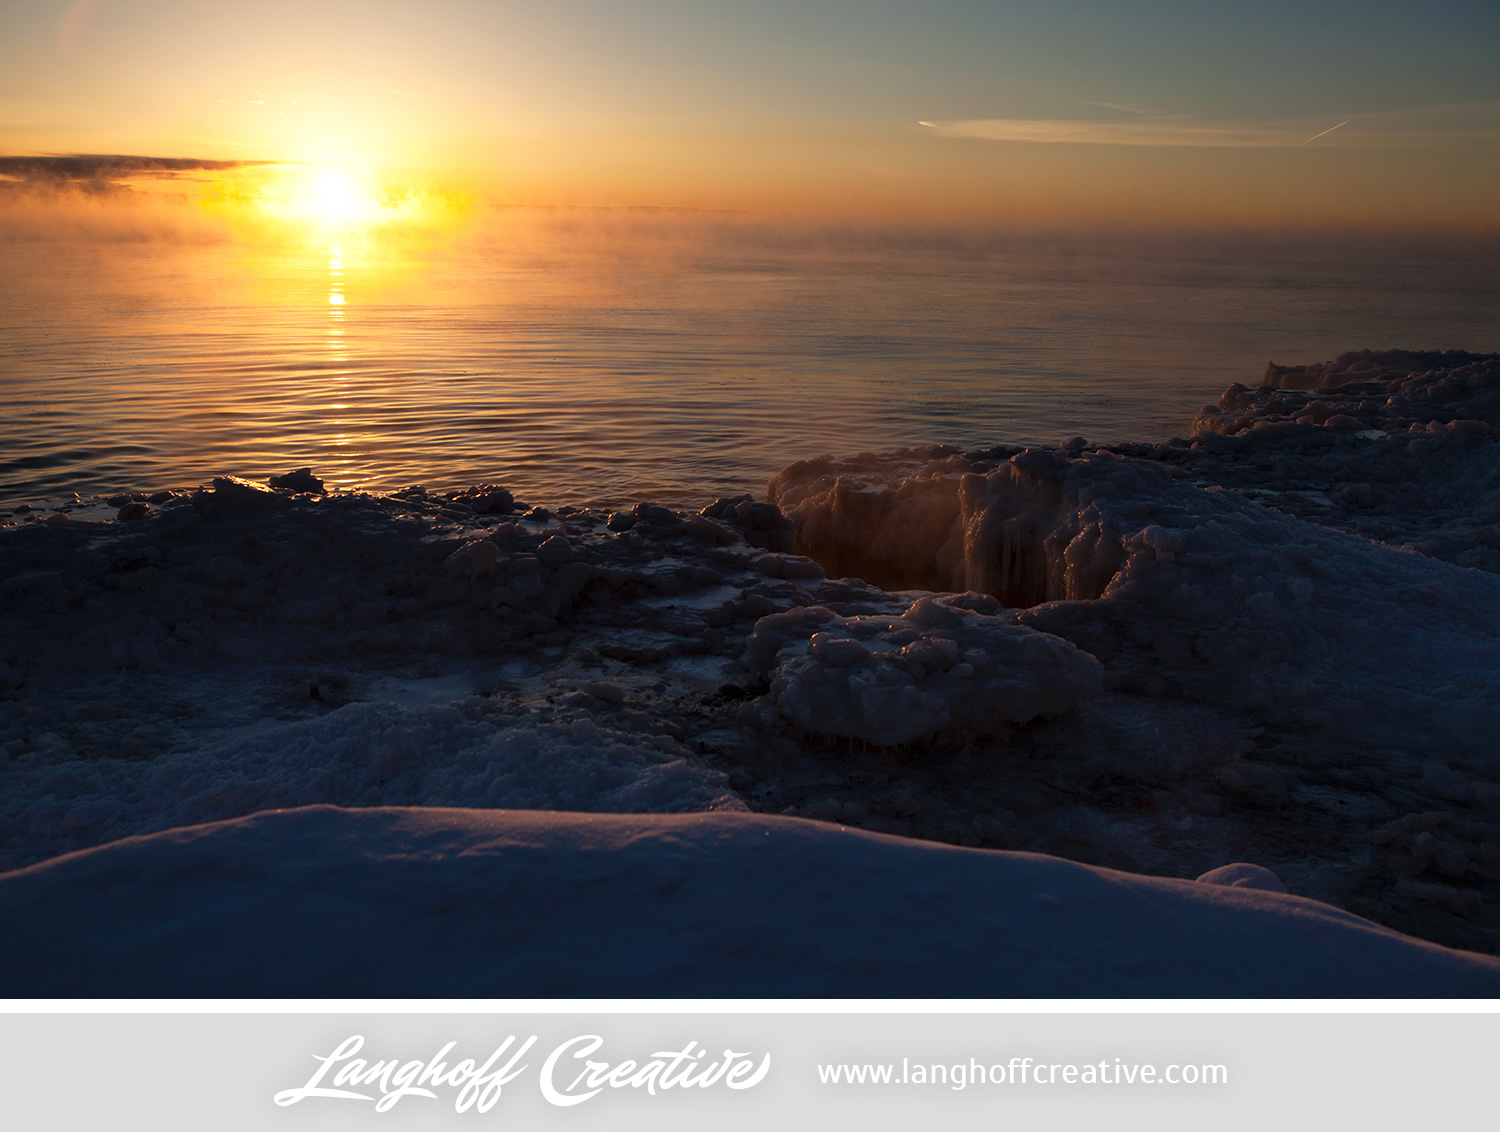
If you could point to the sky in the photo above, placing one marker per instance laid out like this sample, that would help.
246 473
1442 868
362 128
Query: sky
1202 113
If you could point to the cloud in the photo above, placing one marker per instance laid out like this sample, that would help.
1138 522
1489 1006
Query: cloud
1423 127
1158 132
1121 107
62 169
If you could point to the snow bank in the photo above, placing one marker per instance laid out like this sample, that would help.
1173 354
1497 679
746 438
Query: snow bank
465 903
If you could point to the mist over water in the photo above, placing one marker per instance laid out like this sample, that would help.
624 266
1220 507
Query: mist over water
645 359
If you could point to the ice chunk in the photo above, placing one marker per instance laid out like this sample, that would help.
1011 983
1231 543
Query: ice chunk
300 480
478 558
487 499
761 524
230 495
1025 530
894 681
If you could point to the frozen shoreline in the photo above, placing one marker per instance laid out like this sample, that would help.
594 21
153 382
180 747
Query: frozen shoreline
1274 642
327 902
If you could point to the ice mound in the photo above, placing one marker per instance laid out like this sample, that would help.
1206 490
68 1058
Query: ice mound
891 681
381 903
1387 390
761 524
1395 446
894 521
1177 587
1373 365
1024 528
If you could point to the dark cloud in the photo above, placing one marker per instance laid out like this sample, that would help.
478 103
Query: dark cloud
75 168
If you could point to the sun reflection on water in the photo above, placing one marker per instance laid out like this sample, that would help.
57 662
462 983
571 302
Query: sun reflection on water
336 340
336 303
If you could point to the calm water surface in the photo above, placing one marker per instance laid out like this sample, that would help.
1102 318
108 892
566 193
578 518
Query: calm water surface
573 373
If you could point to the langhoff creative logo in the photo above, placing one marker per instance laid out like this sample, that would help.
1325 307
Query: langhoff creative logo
343 1076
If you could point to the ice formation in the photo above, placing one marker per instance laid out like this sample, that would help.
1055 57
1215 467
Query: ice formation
1178 587
1393 445
1271 643
941 520
939 665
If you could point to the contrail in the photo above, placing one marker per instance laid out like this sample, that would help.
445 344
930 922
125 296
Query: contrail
1330 130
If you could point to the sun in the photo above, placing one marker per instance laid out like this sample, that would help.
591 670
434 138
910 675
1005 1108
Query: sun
334 198
329 202
325 199
334 195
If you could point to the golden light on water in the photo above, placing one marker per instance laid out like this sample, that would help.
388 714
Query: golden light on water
336 300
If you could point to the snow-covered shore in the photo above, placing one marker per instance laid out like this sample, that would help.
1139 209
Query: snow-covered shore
1274 642
323 901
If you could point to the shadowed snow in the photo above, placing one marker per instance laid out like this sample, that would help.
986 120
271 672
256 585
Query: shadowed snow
438 903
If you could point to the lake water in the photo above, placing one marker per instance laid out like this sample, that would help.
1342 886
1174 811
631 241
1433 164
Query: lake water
630 365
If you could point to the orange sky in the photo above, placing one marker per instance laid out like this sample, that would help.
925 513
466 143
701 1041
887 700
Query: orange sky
1071 111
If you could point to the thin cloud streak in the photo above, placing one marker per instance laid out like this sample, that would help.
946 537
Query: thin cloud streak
1121 107
1057 131
1330 130
1418 128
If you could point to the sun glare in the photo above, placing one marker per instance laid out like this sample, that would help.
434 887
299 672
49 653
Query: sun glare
334 204
328 199
332 194
328 202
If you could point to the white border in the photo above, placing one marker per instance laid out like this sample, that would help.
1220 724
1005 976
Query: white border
749 1006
